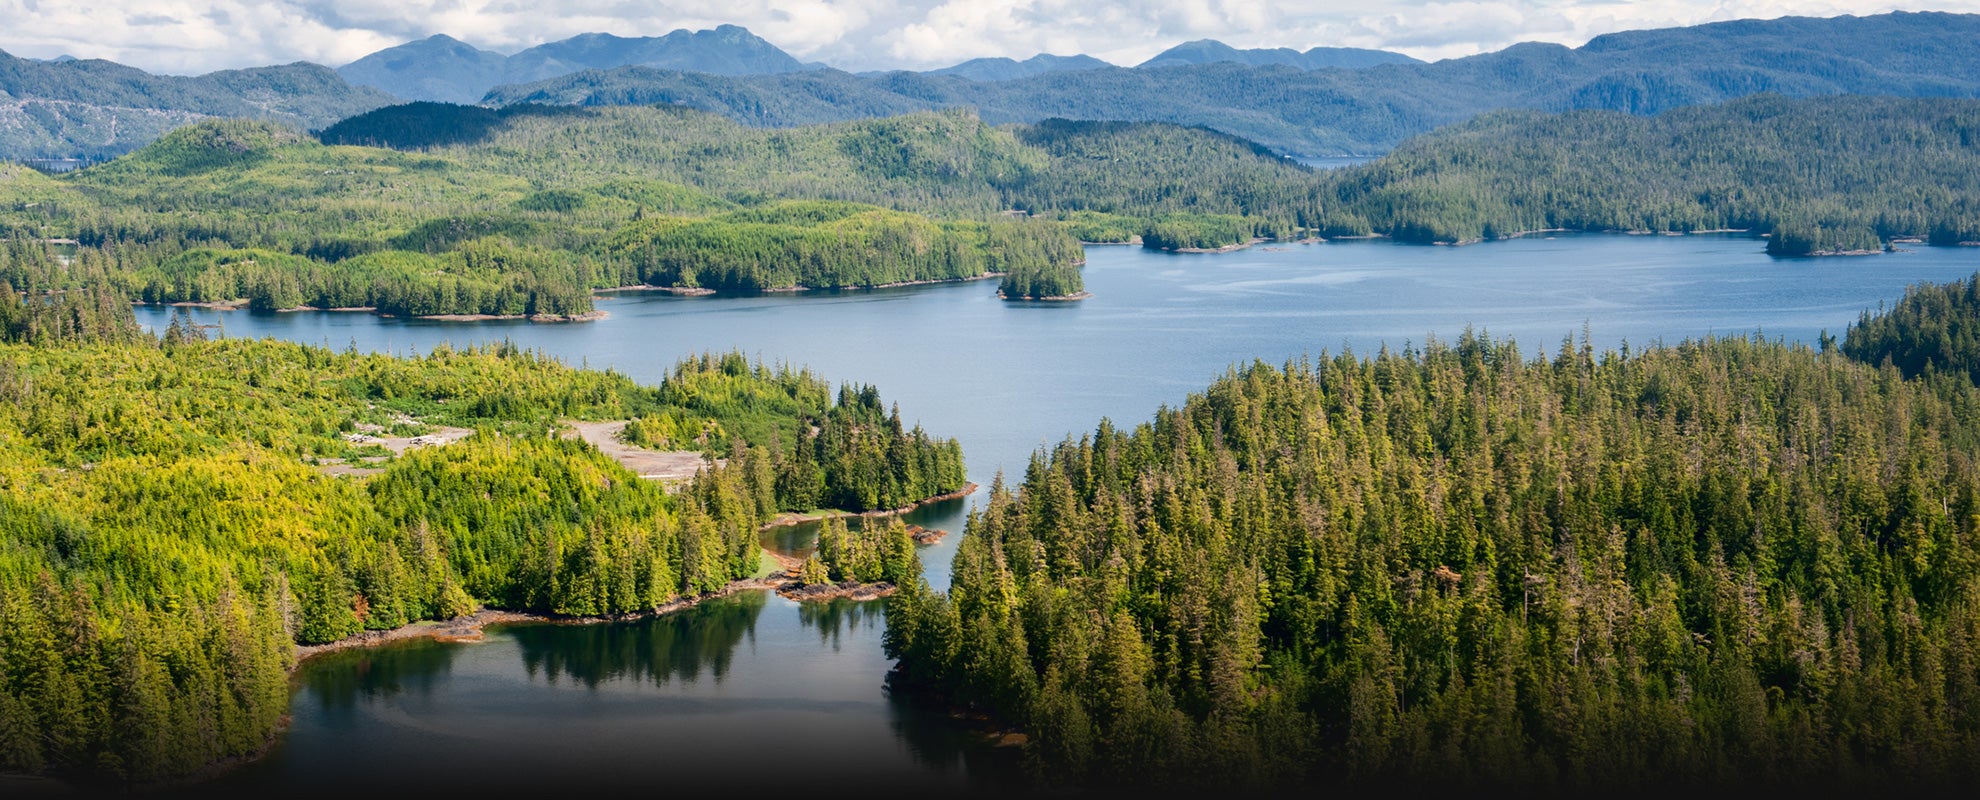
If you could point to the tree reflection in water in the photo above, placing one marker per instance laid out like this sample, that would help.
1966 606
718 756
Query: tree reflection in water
946 738
834 618
680 645
337 681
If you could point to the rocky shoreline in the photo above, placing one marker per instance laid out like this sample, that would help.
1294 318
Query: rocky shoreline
845 590
789 519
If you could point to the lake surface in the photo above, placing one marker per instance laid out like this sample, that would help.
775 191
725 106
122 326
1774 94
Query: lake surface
1334 162
759 690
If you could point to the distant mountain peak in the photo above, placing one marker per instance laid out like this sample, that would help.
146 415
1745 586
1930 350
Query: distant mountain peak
444 69
1211 51
1005 69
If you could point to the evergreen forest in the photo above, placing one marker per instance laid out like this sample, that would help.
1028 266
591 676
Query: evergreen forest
1834 175
1729 562
431 210
169 531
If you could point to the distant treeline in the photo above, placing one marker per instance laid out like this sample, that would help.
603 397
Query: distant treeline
1820 175
833 245
525 211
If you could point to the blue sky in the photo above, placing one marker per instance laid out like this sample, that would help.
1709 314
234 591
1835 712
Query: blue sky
194 36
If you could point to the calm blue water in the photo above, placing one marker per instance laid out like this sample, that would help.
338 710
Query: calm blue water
699 696
1334 162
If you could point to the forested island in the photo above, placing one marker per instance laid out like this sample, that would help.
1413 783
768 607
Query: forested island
242 214
435 210
171 529
1724 563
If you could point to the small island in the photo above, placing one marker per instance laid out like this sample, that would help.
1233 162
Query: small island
1051 282
863 564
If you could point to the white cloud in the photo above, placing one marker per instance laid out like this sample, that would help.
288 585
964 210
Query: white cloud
191 36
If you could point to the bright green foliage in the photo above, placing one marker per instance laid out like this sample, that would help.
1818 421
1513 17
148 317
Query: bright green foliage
165 541
1041 282
1149 171
1935 328
35 308
78 314
813 572
1037 260
868 554
1821 175
845 451
525 210
1100 228
1718 563
1197 232
830 245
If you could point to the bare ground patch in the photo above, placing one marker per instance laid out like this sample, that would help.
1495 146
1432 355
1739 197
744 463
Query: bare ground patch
656 465
368 434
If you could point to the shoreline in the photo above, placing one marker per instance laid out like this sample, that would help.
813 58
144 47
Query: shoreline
844 590
237 305
1056 298
473 628
1229 248
790 518
893 285
588 316
684 291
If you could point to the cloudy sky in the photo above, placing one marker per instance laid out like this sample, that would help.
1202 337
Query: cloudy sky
193 36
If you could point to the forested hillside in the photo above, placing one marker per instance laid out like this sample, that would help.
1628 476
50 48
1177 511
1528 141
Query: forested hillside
523 211
95 109
1336 111
1819 175
1933 328
165 539
430 209
1727 563
529 216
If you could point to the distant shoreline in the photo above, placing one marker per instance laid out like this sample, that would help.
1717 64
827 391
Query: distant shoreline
1053 298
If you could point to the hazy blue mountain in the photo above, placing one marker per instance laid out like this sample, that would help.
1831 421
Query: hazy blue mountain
1005 69
1211 51
438 67
91 108
726 50
1369 110
444 69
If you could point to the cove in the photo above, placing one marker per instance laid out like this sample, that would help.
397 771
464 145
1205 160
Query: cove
755 688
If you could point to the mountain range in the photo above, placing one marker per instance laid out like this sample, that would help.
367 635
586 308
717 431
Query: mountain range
95 109
1211 51
445 69
1322 101
1368 110
1010 69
